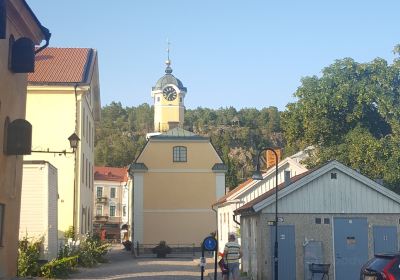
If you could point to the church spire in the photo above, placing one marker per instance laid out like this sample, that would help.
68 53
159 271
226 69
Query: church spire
168 69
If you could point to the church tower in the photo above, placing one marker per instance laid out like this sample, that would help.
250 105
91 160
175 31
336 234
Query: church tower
168 95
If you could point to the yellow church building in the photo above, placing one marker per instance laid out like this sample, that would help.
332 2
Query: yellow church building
177 176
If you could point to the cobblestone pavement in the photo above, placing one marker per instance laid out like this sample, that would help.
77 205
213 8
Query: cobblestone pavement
122 265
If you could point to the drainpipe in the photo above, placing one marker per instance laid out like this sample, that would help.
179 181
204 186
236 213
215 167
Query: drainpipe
47 36
234 219
74 219
216 219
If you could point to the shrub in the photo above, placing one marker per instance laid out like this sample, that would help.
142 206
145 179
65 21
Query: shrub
91 251
28 256
59 268
70 233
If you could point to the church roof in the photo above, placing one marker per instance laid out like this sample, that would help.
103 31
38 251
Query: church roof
168 79
179 133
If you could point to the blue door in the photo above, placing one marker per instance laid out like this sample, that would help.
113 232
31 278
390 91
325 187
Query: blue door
286 252
385 239
351 247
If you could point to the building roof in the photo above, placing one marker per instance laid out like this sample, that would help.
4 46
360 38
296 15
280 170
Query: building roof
235 190
248 207
168 78
179 134
250 182
304 179
62 66
115 174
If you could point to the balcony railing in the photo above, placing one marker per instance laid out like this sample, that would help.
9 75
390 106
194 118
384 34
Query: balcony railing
100 218
102 200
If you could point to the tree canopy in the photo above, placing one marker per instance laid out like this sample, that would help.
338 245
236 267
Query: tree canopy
351 113
236 135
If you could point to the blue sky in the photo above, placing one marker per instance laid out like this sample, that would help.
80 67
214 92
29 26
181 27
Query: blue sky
226 52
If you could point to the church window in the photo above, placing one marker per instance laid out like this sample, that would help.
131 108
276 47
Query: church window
180 154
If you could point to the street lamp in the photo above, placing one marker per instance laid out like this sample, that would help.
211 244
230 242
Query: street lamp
73 142
258 176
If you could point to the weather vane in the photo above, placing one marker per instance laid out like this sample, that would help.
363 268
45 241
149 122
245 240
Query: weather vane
168 62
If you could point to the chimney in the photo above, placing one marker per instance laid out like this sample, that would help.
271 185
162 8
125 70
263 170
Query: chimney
271 157
287 177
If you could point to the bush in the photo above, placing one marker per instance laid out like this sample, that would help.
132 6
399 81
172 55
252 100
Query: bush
59 268
28 256
91 251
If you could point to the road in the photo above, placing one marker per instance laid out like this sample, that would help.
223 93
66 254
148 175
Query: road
121 265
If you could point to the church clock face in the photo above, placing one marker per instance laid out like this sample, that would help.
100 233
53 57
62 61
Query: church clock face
169 93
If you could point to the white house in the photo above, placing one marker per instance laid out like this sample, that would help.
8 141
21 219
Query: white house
330 215
225 207
39 199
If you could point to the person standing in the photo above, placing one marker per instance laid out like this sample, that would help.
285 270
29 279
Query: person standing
232 253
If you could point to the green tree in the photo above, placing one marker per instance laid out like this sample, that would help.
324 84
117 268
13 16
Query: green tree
350 113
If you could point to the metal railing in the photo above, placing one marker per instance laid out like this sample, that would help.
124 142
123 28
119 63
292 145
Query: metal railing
177 250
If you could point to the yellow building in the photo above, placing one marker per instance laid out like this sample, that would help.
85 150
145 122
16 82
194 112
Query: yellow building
64 98
168 95
177 176
20 31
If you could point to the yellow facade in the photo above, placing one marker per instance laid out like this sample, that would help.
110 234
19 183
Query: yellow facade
56 112
20 22
172 200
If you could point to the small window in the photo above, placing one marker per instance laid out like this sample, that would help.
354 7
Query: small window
180 99
327 221
180 154
333 176
99 210
124 211
99 192
112 210
158 99
318 221
112 193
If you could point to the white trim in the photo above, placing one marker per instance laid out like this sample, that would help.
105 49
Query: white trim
183 210
219 185
269 172
167 170
321 171
138 230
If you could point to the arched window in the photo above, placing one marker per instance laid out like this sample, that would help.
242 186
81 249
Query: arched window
180 154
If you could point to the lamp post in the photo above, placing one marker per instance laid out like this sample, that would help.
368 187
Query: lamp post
258 176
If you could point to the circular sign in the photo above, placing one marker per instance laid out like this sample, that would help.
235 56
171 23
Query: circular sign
210 243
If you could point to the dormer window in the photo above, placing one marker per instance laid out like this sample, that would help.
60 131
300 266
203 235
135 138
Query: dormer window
179 154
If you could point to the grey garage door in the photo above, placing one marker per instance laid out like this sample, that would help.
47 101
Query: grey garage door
351 247
385 239
286 252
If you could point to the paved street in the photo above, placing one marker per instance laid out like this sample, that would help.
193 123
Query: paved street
122 265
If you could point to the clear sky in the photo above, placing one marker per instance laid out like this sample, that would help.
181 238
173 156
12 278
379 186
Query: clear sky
226 52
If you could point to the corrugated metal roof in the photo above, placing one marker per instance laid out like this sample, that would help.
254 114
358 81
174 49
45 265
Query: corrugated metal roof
248 207
62 65
178 133
104 173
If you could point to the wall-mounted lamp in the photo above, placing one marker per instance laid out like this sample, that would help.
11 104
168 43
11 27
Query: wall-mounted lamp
18 139
73 142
